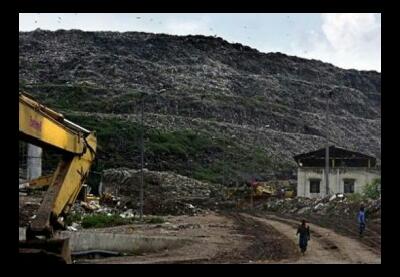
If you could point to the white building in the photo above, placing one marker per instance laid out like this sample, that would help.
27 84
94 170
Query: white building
349 172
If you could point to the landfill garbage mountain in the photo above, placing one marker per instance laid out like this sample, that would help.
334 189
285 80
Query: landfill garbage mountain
216 111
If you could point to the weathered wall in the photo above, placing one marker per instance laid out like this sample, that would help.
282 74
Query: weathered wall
362 176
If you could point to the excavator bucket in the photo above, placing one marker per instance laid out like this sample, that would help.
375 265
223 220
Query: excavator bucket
53 251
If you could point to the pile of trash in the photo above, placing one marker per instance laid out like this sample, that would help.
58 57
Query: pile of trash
164 192
98 205
27 212
337 204
81 209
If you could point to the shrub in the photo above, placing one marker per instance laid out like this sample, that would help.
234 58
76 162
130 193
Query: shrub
102 220
73 217
355 197
371 190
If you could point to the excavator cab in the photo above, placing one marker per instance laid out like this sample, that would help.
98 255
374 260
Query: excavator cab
41 126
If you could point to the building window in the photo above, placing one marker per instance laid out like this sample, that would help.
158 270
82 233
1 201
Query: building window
314 185
348 185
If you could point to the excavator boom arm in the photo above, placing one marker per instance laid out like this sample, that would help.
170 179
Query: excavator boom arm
44 127
41 125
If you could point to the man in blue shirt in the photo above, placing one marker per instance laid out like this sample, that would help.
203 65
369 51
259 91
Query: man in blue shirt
361 220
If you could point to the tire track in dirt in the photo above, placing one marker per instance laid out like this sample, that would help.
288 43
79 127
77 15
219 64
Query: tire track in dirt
345 227
267 243
352 248
325 245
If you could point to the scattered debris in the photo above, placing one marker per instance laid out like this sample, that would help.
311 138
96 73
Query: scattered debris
128 214
109 199
23 185
319 205
91 206
71 228
338 204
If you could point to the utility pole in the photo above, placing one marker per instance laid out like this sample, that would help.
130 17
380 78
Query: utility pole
327 140
141 158
251 197
223 160
254 165
191 169
327 145
142 98
236 194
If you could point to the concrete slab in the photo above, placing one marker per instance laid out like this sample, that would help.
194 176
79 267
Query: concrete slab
83 241
126 243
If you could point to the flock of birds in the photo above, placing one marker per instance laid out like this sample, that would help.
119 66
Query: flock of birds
59 19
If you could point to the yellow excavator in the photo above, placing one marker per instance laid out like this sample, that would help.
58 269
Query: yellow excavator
46 128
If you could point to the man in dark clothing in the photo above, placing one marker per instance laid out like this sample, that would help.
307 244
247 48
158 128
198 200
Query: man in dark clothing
361 220
304 232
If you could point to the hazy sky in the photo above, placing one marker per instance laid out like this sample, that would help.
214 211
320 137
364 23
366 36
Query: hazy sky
345 40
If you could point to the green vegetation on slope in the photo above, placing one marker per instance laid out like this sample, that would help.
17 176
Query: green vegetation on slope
191 153
199 154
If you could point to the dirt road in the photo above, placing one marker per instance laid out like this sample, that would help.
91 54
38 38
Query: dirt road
325 245
232 237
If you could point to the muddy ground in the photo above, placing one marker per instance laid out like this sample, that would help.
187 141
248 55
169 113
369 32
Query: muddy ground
243 237
235 237
345 226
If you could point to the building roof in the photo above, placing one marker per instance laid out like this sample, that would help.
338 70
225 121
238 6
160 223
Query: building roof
351 157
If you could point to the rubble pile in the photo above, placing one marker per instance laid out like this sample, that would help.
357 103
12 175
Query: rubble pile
337 204
27 213
82 209
164 192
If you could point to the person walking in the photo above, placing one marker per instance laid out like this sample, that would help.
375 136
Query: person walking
361 221
304 231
